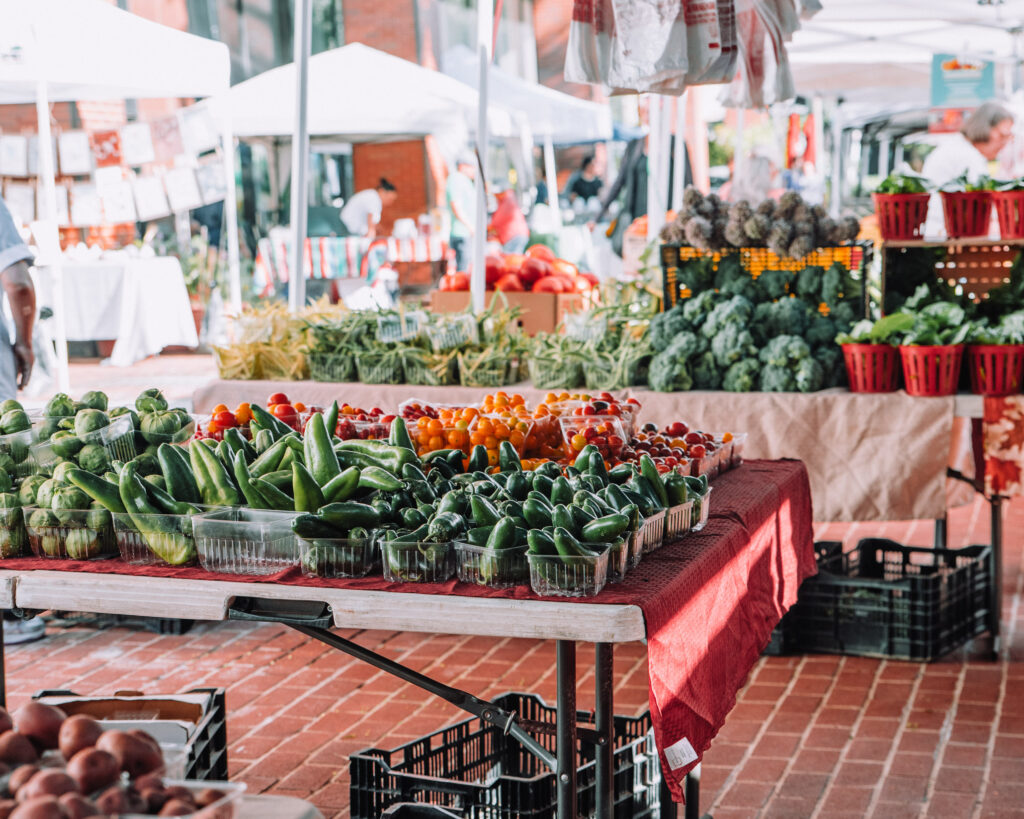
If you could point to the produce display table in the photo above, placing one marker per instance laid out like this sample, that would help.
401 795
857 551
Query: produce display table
142 303
870 456
706 605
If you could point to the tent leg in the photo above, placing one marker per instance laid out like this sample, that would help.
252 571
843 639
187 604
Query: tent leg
231 219
484 38
300 156
679 154
49 211
551 176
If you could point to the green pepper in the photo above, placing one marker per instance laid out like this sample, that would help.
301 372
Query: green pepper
482 511
164 502
215 487
621 474
342 486
456 502
548 469
244 481
536 514
413 517
503 535
606 529
561 491
160 531
399 434
541 542
262 441
321 459
378 479
349 514
477 459
309 497
675 486
270 460
282 479
478 535
273 497
543 501
562 517
236 443
615 497
517 486
261 419
645 504
698 484
177 472
98 489
508 458
446 526
312 527
440 470
581 516
542 484
369 452
331 419
582 462
650 473
568 546
411 472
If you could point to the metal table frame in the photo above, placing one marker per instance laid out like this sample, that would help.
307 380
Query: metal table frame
314 611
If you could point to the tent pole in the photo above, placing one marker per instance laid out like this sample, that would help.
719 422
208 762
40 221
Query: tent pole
835 196
49 211
484 34
655 203
739 163
679 154
231 218
551 176
300 156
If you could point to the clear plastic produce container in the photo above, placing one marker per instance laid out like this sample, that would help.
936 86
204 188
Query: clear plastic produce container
701 510
652 532
70 534
606 432
618 560
337 557
557 576
171 534
411 561
245 541
496 569
678 521
117 438
13 537
17 447
350 430
228 806
739 440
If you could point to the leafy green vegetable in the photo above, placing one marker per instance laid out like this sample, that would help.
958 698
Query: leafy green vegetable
900 183
886 330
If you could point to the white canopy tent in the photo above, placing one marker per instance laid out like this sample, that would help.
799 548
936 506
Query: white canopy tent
67 50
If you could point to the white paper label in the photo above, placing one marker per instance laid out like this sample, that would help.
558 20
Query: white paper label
680 754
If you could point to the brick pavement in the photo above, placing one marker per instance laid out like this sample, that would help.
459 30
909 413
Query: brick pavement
811 736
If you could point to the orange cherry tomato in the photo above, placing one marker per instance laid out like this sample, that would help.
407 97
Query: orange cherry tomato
218 408
243 413
299 406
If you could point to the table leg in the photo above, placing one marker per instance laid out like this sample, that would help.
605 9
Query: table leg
3 670
565 730
604 722
940 533
996 596
691 792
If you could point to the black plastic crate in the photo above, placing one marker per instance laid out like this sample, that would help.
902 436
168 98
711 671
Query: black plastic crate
884 599
475 770
785 640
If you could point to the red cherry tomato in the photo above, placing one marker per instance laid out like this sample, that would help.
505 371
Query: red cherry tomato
286 413
225 420
277 398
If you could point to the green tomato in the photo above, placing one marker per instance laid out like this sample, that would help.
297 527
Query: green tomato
29 487
93 458
7 463
60 472
59 406
160 427
94 400
117 412
90 420
151 400
44 494
83 544
10 404
65 444
14 421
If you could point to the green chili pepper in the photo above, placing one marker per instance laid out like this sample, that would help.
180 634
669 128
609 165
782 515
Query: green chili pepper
321 459
308 495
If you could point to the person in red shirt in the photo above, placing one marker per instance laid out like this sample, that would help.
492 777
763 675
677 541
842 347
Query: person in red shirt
508 224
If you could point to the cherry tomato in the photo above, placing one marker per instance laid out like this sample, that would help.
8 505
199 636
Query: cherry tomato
218 408
277 398
286 413
299 406
224 420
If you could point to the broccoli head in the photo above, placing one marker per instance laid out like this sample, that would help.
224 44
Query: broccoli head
810 375
785 317
778 379
775 284
808 283
668 372
783 351
821 331
736 310
832 285
844 316
706 373
732 343
742 376
697 274
697 308
732 279
830 357
761 322
666 326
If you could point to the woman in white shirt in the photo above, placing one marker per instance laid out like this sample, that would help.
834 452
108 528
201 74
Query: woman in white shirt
361 214
984 134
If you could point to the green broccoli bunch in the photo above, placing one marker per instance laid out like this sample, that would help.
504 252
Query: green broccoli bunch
669 371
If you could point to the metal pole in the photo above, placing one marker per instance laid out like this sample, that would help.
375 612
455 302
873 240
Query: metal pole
565 729
739 159
835 197
231 222
679 155
996 504
551 176
691 793
300 155
604 724
48 192
655 208
484 35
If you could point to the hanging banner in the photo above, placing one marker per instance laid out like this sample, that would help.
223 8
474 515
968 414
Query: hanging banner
106 147
182 189
86 207
167 142
63 206
212 184
150 198
33 154
13 155
20 198
958 85
118 202
74 153
198 129
137 143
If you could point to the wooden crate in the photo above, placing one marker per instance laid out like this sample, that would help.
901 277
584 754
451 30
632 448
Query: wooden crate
542 312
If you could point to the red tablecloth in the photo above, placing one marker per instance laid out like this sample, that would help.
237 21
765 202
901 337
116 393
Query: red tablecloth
710 601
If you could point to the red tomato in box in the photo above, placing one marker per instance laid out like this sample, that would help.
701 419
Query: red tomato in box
510 282
549 284
541 252
563 268
514 262
494 268
286 413
276 398
454 281
534 270
224 420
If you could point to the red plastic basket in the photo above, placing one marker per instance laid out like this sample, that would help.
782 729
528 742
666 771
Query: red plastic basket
871 367
901 215
996 369
967 214
931 371
1009 207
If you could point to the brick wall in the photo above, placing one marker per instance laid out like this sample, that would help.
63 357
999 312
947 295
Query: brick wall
405 165
387 26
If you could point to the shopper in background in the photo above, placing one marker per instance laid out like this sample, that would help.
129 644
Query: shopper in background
16 361
460 196
585 183
984 134
361 214
508 224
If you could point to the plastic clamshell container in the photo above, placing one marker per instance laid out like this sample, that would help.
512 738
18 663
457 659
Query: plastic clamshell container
182 436
238 540
636 547
557 576
412 561
739 441
13 537
350 430
117 438
652 531
227 807
408 408
496 569
450 436
618 560
337 557
725 449
174 534
450 331
17 446
610 434
701 510
72 534
703 466
678 521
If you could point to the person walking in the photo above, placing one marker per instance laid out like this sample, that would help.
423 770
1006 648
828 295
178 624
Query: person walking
460 196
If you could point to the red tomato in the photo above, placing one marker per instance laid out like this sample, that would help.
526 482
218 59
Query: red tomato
510 282
564 268
513 262
277 398
495 268
549 284
534 269
224 420
590 277
286 413
541 252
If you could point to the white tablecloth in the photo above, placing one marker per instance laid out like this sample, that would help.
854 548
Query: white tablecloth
142 303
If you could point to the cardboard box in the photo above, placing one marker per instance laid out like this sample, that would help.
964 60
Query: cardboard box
542 312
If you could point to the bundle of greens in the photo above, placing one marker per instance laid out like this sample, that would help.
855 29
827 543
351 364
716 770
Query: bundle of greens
902 183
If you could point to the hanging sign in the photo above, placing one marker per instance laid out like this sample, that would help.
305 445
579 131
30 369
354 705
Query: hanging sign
137 143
